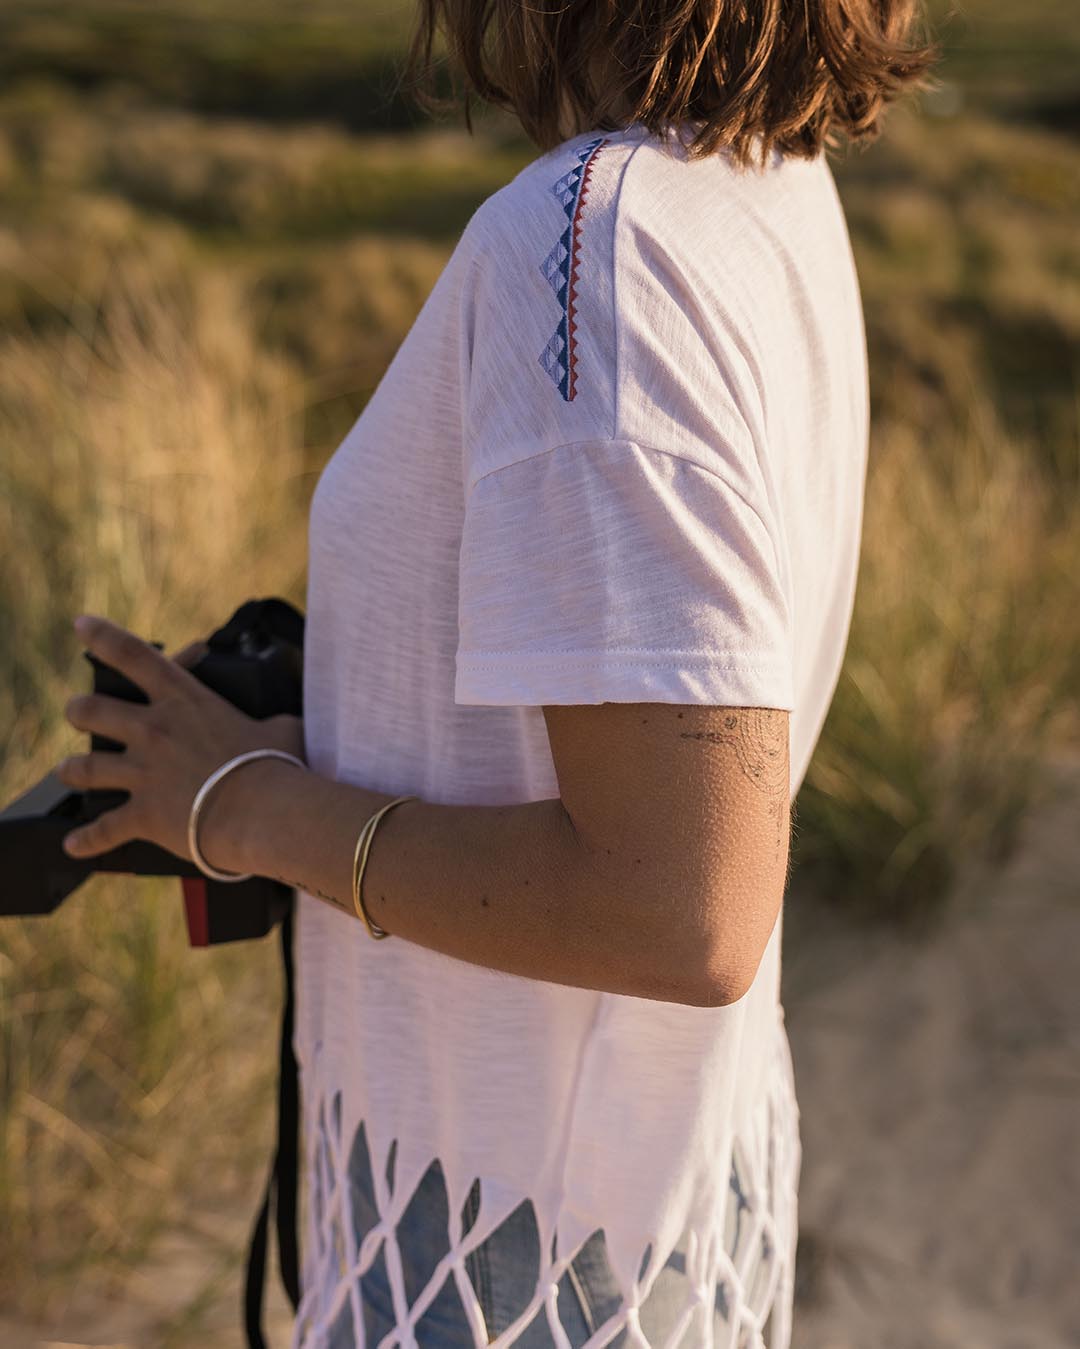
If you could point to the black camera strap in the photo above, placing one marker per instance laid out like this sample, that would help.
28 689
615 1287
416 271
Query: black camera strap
282 1182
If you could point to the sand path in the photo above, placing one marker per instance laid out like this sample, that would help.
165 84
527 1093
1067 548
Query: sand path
940 1095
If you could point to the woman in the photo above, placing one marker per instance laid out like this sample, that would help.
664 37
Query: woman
580 583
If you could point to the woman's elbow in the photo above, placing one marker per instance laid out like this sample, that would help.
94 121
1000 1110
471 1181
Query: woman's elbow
718 965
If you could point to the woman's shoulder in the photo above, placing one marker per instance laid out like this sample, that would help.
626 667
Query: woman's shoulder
611 289
668 211
571 187
590 167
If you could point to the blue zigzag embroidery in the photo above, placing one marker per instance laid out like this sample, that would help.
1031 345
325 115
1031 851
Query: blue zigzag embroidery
559 357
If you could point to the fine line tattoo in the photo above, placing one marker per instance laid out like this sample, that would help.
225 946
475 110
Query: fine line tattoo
759 737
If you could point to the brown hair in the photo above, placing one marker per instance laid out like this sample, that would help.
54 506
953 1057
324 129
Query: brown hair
789 71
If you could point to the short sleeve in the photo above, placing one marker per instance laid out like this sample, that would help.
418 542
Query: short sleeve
620 538
608 571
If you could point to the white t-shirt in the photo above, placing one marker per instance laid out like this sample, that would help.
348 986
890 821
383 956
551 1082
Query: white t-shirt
620 456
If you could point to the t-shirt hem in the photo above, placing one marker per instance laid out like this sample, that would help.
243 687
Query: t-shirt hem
496 678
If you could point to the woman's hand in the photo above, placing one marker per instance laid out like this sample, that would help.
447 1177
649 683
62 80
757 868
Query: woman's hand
172 744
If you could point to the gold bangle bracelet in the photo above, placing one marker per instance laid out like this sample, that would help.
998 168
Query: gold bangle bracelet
360 857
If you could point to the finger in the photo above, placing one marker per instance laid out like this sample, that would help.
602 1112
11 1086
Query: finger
93 772
115 718
108 831
142 663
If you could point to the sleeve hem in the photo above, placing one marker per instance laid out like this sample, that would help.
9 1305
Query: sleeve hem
489 678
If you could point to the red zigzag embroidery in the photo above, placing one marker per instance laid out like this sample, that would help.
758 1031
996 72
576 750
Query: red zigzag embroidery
571 294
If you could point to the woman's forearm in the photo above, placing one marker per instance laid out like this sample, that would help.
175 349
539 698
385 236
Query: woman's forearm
509 887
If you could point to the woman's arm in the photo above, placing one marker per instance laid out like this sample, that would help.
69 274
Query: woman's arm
658 872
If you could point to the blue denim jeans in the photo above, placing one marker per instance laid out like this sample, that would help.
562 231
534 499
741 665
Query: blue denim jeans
502 1270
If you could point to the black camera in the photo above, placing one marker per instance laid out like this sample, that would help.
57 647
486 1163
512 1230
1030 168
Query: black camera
256 662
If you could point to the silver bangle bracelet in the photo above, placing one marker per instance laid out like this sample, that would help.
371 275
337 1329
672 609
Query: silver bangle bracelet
204 791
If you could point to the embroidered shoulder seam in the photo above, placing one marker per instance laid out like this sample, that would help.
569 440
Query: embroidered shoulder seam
560 269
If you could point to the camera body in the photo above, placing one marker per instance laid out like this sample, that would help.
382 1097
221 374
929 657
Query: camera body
255 661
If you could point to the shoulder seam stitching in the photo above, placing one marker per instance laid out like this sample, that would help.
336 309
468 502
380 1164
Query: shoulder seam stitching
593 442
615 422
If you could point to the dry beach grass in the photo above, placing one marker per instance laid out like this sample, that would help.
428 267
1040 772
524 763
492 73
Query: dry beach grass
193 307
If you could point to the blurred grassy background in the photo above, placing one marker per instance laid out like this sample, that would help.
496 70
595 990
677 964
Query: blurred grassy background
217 221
